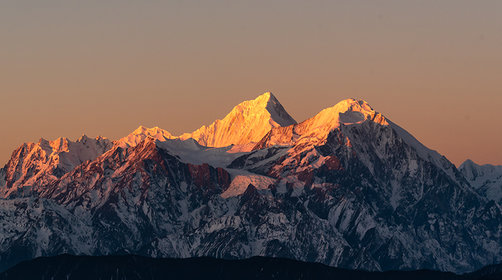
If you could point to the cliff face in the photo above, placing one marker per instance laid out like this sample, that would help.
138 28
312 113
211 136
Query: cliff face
37 164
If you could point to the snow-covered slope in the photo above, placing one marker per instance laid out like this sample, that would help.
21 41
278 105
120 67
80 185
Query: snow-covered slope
141 133
190 151
486 179
247 122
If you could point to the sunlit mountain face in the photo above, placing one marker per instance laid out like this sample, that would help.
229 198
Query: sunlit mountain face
247 123
347 188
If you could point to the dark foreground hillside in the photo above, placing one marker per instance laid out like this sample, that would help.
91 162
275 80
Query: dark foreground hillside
136 267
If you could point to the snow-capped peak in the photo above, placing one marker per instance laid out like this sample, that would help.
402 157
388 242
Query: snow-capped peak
315 130
141 133
266 105
248 122
472 171
277 113
348 111
59 145
485 179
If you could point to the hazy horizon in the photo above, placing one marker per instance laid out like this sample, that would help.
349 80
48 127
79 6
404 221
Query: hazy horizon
104 68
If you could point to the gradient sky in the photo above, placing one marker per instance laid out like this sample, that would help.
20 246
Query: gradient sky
105 67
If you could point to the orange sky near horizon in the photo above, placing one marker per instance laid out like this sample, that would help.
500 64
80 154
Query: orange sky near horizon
106 67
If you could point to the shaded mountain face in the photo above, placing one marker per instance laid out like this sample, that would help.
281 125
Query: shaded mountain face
346 188
485 179
136 267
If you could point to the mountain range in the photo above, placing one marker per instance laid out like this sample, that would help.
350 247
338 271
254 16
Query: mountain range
347 188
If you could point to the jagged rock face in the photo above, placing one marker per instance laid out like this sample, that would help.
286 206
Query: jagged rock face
485 179
133 199
36 164
355 192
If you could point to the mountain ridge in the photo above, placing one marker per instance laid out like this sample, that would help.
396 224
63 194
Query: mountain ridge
50 159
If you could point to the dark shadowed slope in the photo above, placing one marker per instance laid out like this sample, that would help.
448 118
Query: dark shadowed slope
136 267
